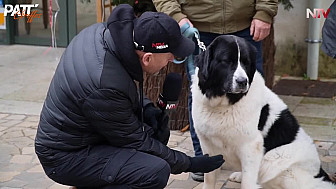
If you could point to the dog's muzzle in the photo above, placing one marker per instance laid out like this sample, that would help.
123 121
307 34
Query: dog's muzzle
240 85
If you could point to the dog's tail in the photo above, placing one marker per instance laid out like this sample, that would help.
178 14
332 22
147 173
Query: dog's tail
326 177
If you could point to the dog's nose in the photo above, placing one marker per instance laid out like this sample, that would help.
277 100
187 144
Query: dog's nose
241 81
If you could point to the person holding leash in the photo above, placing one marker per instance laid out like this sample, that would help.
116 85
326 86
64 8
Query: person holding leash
95 130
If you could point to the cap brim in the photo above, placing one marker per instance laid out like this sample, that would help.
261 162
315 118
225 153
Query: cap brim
185 48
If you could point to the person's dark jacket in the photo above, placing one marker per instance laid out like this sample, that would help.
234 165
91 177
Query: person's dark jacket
93 99
329 32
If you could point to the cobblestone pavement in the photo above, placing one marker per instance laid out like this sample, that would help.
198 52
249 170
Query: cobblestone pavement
20 168
24 81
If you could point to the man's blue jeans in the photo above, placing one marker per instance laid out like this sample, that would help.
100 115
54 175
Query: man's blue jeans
207 38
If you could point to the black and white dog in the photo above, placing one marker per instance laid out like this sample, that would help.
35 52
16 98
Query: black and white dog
235 114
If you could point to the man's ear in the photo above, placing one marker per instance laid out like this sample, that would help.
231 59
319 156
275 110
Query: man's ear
147 58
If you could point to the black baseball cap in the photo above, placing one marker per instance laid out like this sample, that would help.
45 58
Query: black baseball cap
157 32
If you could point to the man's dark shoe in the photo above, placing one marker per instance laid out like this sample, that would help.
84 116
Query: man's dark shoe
199 177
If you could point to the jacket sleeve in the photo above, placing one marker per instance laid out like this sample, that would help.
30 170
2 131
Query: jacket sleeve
328 32
111 115
266 10
170 7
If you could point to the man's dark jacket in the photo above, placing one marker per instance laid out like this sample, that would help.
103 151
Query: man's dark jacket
329 32
93 99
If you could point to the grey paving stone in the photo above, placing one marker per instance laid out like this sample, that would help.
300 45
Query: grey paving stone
291 101
29 132
21 159
231 185
186 134
20 142
58 186
33 118
7 176
319 101
185 184
14 183
182 176
12 134
20 107
28 150
10 123
8 149
186 144
35 177
321 133
39 184
177 138
314 121
316 110
27 124
36 169
323 147
332 150
8 167
172 144
16 117
2 116
332 167
175 132
3 121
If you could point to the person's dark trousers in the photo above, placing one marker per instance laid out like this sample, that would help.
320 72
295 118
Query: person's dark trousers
105 167
207 38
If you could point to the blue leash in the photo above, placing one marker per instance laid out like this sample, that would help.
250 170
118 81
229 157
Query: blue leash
191 32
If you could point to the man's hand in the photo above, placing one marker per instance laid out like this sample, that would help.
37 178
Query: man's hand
163 132
185 20
158 120
205 164
259 29
151 115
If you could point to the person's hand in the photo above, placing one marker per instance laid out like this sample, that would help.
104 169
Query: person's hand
185 20
259 29
163 131
158 120
151 115
205 164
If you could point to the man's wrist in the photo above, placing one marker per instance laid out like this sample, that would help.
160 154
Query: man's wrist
263 16
178 16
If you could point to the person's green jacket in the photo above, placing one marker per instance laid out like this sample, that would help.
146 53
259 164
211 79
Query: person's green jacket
221 17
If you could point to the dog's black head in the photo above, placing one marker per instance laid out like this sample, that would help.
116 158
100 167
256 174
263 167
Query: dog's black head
227 67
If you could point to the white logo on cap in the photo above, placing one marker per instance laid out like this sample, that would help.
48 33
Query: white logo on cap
160 45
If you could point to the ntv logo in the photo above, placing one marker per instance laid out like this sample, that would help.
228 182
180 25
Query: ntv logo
317 13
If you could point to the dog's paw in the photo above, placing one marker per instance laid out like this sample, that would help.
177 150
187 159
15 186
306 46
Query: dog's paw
236 177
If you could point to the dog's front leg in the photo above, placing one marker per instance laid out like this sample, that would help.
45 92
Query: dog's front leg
210 179
251 156
209 148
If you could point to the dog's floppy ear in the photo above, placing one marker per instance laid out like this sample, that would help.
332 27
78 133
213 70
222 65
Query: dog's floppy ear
203 62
